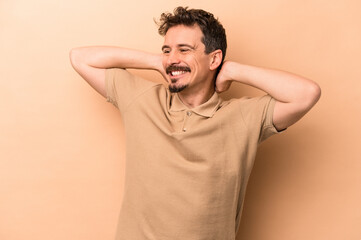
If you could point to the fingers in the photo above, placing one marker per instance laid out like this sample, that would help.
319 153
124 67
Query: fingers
222 87
219 89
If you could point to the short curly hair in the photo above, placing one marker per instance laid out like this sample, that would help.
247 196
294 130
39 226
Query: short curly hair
214 35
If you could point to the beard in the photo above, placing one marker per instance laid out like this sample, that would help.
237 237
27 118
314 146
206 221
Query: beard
176 89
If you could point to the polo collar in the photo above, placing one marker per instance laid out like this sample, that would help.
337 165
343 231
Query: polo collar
206 109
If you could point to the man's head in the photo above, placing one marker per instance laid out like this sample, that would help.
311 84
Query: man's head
193 38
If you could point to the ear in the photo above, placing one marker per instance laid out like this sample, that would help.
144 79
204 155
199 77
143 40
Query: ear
216 59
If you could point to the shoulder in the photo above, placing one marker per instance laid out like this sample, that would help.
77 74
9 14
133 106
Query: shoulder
123 87
252 110
247 104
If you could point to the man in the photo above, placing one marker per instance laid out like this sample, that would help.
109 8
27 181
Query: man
190 153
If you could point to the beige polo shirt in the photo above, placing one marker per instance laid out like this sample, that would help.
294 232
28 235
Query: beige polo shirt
186 169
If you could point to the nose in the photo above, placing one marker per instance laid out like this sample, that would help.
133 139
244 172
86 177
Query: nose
173 58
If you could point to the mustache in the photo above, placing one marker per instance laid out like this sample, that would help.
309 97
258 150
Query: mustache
177 68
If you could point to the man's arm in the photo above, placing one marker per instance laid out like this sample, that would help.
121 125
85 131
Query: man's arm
91 62
294 95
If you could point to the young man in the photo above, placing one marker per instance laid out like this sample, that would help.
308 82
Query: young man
190 153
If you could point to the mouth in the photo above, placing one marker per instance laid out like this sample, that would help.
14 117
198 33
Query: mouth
177 71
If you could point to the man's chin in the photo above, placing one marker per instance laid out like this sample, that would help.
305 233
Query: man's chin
175 89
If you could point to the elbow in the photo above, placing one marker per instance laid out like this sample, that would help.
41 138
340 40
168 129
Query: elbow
315 93
78 58
311 96
74 56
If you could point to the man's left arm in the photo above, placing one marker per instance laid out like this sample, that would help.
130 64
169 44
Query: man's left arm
294 95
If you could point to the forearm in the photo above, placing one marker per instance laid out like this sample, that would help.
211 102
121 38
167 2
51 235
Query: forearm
110 57
91 63
284 87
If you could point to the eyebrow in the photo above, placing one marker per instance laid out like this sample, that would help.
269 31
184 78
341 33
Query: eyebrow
179 45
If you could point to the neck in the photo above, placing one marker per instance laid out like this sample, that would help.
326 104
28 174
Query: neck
197 98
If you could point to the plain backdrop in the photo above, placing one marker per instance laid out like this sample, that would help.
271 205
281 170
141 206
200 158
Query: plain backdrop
62 144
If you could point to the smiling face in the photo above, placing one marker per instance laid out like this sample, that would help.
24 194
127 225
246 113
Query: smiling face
187 65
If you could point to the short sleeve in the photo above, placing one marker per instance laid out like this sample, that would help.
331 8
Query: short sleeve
258 116
122 87
268 129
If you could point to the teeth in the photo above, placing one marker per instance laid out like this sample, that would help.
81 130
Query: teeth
176 73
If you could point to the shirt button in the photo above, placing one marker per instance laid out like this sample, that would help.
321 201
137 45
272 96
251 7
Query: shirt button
184 129
189 113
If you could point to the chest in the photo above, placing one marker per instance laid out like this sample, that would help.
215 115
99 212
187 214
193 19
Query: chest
184 138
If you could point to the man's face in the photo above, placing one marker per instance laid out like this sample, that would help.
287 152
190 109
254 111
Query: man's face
184 59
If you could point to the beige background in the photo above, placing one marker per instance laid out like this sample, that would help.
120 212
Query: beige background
61 144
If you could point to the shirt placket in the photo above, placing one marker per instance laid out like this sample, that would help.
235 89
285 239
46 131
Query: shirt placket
188 115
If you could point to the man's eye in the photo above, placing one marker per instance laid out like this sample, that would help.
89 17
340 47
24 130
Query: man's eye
165 51
184 50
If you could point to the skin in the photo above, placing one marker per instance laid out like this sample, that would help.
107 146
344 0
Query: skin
182 48
295 95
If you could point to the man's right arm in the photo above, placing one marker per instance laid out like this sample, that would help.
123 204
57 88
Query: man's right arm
91 62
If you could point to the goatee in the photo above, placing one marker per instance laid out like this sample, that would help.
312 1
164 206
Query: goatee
175 89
